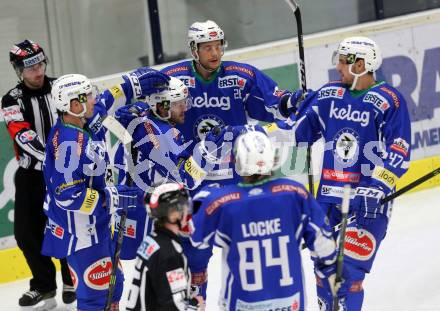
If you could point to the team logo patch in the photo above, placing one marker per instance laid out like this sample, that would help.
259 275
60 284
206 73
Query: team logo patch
97 275
346 146
231 81
331 92
27 136
177 280
74 277
205 123
147 248
377 100
359 244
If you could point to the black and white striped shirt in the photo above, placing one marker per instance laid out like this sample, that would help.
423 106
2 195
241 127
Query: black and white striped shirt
29 117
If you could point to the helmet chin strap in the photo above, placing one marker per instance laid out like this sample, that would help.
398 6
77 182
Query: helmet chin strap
81 114
356 76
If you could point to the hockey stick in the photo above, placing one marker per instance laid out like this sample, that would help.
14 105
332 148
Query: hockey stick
392 196
302 66
399 192
124 136
340 257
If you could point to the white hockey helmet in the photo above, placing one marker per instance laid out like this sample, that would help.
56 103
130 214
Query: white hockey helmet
200 32
254 154
175 92
360 48
69 87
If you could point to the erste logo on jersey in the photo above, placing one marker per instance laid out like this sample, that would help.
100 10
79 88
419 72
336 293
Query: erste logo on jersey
331 92
359 244
55 229
223 102
347 113
130 226
97 275
346 146
188 81
231 81
377 100
205 123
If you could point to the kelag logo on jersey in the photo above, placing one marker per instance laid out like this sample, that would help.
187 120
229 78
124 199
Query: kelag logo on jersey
231 81
188 81
342 113
224 103
331 92
377 100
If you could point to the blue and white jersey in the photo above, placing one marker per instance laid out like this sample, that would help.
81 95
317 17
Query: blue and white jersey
237 94
367 136
76 169
162 156
260 228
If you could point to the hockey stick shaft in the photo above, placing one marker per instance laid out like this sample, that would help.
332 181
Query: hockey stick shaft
340 257
302 68
399 192
394 195
124 136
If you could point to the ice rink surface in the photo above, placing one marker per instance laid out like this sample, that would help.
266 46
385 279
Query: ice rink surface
405 275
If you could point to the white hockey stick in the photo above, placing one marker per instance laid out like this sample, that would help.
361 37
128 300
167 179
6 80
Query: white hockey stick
124 136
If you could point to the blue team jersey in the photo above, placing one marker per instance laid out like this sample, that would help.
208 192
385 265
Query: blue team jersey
260 228
237 94
367 135
76 169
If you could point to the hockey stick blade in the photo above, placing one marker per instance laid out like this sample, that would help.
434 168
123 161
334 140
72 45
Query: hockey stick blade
117 129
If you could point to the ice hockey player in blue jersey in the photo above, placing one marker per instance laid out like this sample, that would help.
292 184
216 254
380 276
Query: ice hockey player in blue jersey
80 194
367 133
162 154
260 223
223 92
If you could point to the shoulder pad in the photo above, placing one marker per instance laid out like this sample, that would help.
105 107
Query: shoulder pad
148 247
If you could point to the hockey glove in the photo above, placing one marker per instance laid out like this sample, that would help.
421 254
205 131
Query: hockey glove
367 202
126 114
122 197
326 277
289 102
143 82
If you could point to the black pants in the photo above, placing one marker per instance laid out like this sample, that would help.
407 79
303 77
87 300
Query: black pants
29 224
